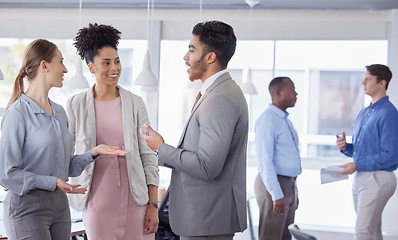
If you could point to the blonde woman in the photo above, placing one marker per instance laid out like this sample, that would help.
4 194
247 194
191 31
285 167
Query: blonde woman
35 151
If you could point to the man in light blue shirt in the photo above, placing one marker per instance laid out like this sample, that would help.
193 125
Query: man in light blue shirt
374 149
279 163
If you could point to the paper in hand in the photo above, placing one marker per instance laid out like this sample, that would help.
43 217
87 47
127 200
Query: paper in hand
330 174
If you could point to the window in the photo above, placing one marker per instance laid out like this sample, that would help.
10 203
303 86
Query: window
327 76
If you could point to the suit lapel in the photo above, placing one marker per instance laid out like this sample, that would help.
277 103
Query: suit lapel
91 115
217 82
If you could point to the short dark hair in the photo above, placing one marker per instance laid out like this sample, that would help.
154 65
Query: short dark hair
217 37
277 84
382 72
93 38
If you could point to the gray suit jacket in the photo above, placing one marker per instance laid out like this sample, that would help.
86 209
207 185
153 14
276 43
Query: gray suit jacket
208 182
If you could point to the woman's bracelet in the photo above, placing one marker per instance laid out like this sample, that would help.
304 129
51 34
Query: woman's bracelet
154 203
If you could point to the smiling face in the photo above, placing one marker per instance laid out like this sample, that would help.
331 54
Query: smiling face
194 59
106 66
56 70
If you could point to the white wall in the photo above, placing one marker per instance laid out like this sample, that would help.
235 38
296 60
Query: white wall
177 24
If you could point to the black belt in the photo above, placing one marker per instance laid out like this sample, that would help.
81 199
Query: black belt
287 177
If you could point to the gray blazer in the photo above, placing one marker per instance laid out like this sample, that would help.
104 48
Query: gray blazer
142 167
208 182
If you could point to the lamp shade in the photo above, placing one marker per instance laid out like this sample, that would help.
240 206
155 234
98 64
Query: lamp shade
1 75
78 80
146 77
252 3
248 87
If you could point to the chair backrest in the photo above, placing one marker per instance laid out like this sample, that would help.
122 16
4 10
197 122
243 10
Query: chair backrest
298 234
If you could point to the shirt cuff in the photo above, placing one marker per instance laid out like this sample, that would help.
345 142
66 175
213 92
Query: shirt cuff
88 157
160 154
276 194
360 166
48 183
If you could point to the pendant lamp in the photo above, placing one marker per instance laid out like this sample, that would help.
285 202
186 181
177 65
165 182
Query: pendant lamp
146 77
248 87
1 75
78 80
200 10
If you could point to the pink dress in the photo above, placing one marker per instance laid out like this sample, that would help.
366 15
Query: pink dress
111 212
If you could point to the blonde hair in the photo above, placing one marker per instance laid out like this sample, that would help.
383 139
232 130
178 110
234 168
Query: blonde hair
35 52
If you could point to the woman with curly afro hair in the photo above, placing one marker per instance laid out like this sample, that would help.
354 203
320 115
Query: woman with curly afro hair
121 199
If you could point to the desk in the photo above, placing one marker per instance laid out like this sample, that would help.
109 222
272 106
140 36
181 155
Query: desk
77 223
77 227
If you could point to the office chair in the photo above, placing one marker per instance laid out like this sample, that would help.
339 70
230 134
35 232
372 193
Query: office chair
298 234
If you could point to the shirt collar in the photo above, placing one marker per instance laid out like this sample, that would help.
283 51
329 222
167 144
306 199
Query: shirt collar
278 111
379 103
210 81
35 107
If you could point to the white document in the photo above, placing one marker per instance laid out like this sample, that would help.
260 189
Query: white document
330 174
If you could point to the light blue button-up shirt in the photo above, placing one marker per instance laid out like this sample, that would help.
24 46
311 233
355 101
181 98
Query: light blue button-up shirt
375 141
277 149
36 148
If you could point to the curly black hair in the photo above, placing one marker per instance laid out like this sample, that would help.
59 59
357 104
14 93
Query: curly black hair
93 38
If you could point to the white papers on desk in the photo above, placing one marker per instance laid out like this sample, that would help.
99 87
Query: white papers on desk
330 174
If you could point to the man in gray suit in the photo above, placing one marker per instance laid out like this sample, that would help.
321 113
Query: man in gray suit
208 183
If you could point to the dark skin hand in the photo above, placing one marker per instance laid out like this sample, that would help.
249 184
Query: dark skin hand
151 220
279 206
151 216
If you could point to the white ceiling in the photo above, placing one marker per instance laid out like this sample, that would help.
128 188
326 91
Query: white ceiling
207 4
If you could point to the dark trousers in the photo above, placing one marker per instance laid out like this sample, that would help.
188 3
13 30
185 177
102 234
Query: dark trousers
274 226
